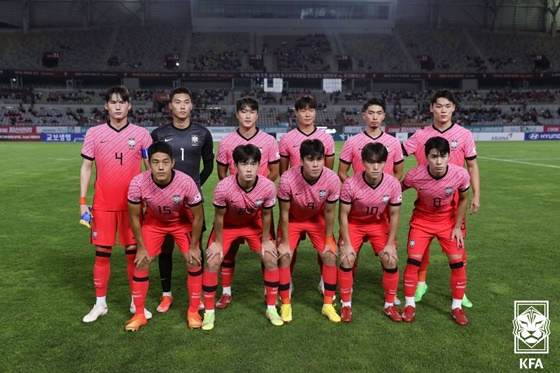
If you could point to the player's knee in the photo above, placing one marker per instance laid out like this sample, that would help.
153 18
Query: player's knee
329 258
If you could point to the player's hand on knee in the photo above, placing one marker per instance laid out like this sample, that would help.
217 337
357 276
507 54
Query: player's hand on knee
142 257
457 235
214 250
347 254
389 256
284 250
195 255
330 246
269 247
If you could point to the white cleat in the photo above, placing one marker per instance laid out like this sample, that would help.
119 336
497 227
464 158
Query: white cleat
396 302
147 313
95 312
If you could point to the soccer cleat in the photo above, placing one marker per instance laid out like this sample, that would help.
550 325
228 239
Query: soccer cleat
166 302
396 302
194 320
393 313
329 311
286 312
95 312
466 302
459 316
147 313
346 313
223 302
208 322
420 291
408 314
135 323
274 317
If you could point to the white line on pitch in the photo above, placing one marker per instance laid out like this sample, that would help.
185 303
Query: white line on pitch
521 162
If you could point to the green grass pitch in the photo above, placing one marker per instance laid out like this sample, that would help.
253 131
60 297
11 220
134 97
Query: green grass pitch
46 285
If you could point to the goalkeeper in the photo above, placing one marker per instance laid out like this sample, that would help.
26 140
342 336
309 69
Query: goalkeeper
308 196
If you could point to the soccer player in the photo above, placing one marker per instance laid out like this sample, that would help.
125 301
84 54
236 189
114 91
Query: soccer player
437 215
243 205
366 199
191 142
247 113
117 148
373 113
306 112
308 196
173 208
463 150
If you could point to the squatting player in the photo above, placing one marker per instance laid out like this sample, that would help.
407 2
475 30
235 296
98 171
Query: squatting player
437 215
247 113
243 210
191 142
306 112
308 196
173 208
117 148
373 113
366 199
463 150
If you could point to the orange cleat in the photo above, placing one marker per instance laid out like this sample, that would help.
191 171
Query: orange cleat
194 320
135 323
166 302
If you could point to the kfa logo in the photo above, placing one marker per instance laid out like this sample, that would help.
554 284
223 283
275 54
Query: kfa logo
454 144
176 199
131 143
531 327
194 140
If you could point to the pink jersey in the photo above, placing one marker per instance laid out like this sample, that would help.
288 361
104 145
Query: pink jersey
352 151
118 158
165 205
369 203
243 207
461 144
435 196
265 142
291 141
308 200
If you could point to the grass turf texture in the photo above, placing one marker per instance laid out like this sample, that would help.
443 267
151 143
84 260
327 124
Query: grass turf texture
46 283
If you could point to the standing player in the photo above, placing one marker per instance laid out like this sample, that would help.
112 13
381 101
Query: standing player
437 215
373 113
247 113
191 142
308 196
117 148
463 150
366 199
243 210
306 112
173 208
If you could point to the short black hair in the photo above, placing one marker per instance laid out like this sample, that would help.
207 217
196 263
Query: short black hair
312 149
119 90
306 101
251 102
438 143
244 153
374 101
444 93
374 152
180 90
160 147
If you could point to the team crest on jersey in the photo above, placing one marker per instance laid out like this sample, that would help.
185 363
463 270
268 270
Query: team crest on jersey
131 143
176 199
259 202
448 191
94 234
385 198
194 140
322 193
454 144
412 243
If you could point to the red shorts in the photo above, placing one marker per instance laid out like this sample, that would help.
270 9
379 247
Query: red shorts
154 234
422 233
314 228
376 234
252 234
106 225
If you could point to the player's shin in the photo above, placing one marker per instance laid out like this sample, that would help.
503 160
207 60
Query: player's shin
390 284
410 278
209 286
130 253
458 278
345 282
271 282
194 287
140 285
284 286
101 271
329 277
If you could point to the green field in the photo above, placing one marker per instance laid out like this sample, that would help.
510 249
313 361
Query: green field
46 285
